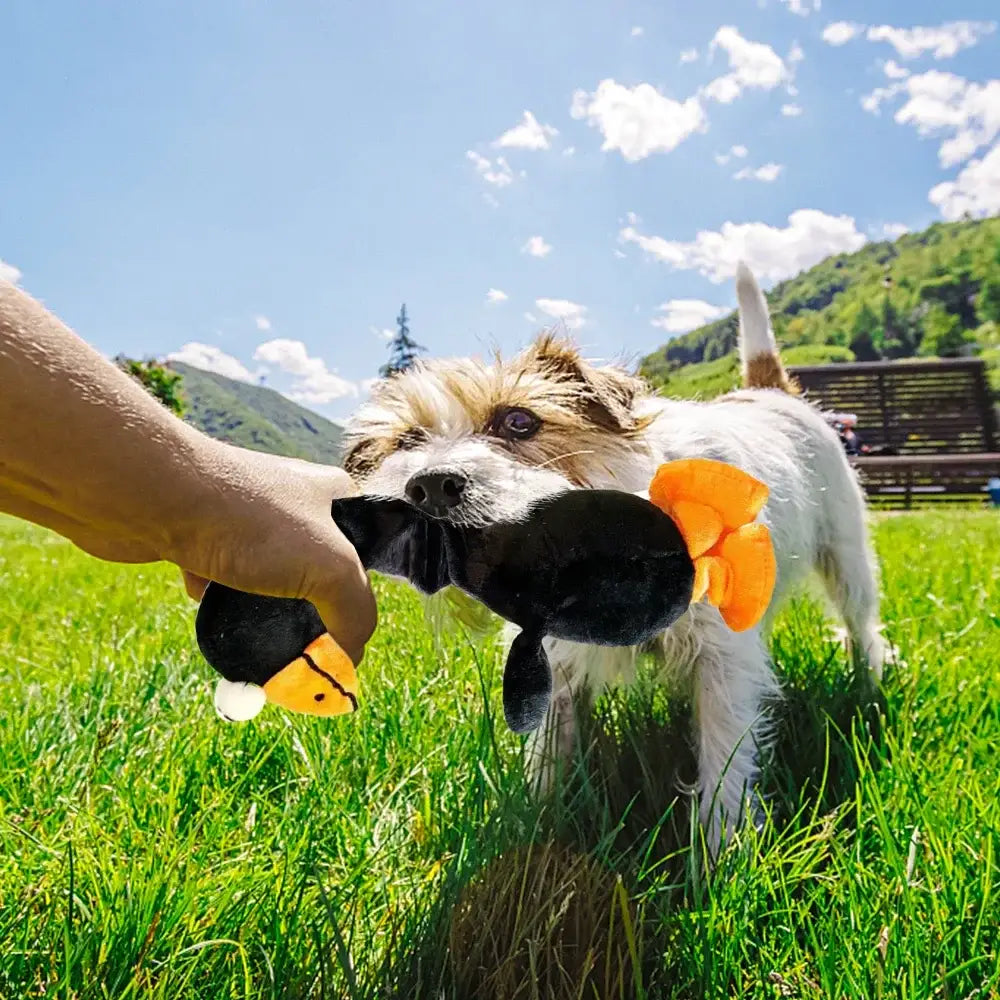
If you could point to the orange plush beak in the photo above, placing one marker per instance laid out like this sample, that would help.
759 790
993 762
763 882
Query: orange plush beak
715 505
321 681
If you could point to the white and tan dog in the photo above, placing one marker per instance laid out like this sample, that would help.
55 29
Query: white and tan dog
475 442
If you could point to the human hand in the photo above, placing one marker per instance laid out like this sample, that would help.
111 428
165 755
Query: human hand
266 528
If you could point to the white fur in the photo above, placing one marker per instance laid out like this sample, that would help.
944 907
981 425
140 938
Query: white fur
816 514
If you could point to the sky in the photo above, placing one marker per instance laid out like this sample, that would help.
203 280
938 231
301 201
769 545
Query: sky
256 187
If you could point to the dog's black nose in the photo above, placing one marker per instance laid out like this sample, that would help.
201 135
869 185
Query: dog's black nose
435 493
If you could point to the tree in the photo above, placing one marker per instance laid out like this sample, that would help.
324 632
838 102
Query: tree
403 349
863 335
988 303
158 381
944 335
897 334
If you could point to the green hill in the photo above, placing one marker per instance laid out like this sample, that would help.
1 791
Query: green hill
932 294
256 417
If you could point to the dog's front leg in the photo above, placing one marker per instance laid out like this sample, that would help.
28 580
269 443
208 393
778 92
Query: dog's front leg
551 746
579 672
733 682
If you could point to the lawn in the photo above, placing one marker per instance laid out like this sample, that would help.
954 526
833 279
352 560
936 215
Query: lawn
149 850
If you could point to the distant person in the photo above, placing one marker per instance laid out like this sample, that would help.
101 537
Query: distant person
844 424
87 452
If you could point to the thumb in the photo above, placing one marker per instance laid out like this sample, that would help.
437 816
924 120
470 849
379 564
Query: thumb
345 602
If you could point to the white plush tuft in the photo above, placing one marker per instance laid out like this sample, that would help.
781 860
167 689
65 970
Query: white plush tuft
238 702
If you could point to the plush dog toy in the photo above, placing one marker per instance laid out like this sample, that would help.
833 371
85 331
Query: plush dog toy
595 566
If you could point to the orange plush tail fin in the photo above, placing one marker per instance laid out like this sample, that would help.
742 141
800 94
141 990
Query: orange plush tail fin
715 506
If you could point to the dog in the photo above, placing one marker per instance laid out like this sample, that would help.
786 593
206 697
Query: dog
474 442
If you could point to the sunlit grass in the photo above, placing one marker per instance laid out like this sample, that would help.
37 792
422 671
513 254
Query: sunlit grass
149 850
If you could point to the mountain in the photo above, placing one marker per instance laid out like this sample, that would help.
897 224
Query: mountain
933 294
256 417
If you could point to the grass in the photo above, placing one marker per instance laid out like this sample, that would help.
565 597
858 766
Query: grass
149 851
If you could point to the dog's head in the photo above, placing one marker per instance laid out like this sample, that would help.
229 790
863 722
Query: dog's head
475 443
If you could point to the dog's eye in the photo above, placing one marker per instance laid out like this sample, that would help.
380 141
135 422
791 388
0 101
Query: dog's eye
410 439
516 424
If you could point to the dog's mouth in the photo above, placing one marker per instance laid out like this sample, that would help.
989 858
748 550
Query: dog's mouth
426 554
393 537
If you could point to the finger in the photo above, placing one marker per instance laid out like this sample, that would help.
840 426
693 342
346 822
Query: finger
348 611
194 585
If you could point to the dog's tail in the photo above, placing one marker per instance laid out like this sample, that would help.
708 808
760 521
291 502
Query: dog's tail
762 367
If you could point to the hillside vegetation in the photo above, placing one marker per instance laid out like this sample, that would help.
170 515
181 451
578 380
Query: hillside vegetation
255 417
931 294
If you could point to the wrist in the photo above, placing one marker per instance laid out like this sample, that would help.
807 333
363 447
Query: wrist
204 469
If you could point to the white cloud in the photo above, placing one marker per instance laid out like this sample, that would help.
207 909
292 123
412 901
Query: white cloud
529 134
841 32
569 151
638 120
894 71
872 103
739 152
494 296
944 104
791 110
531 317
571 314
682 315
637 31
893 230
209 358
383 333
536 247
943 42
619 253
689 55
9 273
772 252
262 323
768 172
975 192
315 382
800 7
796 53
751 64
496 173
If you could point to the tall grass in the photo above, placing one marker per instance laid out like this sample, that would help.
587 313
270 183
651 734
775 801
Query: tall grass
148 850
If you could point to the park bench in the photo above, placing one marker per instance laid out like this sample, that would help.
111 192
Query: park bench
931 425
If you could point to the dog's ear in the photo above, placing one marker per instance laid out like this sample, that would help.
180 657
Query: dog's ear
607 393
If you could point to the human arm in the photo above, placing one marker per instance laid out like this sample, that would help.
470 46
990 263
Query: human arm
87 452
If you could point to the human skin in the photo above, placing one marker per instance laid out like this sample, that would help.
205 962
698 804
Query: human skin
87 452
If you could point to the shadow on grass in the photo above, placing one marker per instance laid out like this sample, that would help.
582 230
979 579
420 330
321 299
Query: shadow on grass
624 806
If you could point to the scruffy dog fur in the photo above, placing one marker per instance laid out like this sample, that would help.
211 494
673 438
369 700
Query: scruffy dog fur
496 437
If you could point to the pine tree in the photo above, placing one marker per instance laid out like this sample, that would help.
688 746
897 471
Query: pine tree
403 349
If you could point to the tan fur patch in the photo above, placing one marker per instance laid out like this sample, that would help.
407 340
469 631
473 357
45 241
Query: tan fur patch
765 371
588 413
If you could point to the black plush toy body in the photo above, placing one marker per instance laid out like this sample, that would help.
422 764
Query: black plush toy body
618 582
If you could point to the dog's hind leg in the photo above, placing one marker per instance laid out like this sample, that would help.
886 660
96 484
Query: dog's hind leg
849 570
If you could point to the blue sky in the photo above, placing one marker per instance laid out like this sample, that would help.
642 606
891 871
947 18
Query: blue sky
258 186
